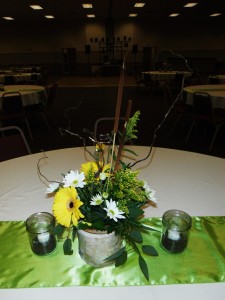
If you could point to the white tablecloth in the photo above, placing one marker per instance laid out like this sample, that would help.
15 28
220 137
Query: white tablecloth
216 91
31 94
19 77
165 75
221 78
188 181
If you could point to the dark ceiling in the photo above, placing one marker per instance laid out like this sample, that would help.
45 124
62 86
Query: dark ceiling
67 10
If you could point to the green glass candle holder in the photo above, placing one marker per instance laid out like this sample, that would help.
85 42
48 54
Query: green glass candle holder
39 228
176 229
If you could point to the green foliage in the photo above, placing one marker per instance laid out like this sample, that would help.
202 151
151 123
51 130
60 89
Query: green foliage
125 187
116 255
58 230
136 236
121 259
147 249
67 246
131 131
135 212
74 233
143 267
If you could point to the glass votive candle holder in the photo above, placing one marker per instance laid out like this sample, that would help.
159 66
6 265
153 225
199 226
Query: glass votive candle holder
176 228
39 228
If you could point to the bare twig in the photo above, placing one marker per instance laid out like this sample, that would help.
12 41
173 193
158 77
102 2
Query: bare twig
39 170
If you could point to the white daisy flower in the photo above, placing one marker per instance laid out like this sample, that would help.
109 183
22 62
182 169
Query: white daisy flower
149 192
112 211
102 176
53 186
96 200
74 179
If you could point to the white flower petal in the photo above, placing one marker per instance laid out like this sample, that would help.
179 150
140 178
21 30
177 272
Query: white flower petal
96 200
102 176
149 192
53 186
74 179
112 211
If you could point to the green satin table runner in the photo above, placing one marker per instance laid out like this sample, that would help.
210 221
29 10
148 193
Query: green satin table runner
202 262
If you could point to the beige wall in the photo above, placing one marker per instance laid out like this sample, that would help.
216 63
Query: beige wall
43 43
52 36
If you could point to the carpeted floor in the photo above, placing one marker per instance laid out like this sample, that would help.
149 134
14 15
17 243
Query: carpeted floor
81 100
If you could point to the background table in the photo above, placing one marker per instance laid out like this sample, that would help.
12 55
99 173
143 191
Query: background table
220 78
31 94
216 91
165 75
188 181
19 77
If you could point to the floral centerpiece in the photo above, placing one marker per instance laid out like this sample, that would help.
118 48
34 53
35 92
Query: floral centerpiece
106 195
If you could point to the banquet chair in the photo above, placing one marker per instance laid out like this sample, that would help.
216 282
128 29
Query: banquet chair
12 111
34 78
178 110
218 127
150 84
42 108
29 82
213 80
145 81
203 112
52 93
176 84
9 80
103 128
13 143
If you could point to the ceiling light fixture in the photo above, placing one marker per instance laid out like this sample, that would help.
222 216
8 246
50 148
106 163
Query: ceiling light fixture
140 4
86 5
174 15
49 17
190 4
36 7
91 16
8 18
215 15
132 15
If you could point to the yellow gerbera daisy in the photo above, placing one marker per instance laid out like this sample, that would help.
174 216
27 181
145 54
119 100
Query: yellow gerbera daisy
89 167
66 207
92 168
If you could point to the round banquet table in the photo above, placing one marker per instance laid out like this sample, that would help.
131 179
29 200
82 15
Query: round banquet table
216 91
220 77
31 94
165 75
184 180
19 77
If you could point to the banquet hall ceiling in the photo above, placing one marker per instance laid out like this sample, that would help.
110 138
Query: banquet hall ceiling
67 10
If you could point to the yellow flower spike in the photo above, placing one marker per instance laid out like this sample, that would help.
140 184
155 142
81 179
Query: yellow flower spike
66 207
99 147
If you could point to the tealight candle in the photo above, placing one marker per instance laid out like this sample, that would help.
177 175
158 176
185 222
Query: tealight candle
40 232
176 226
173 235
43 237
